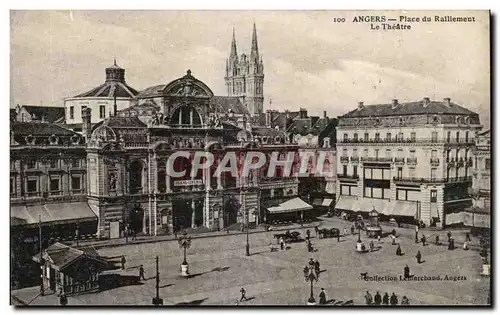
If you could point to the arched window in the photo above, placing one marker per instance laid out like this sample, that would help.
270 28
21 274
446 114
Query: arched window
135 177
161 178
186 116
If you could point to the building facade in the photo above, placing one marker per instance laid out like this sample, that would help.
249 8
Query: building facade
127 161
104 100
410 161
481 181
245 76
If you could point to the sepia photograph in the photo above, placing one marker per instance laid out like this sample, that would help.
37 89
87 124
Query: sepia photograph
314 158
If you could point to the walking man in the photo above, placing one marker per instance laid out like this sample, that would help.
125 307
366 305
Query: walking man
437 240
399 251
385 299
424 239
308 233
449 236
345 232
316 266
467 237
416 234
282 243
394 299
407 272
322 297
419 257
368 298
243 294
378 298
123 261
141 273
371 245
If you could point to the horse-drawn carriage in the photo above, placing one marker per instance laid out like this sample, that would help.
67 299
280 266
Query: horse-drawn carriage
289 237
327 233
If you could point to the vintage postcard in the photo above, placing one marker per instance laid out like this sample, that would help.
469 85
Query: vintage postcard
249 158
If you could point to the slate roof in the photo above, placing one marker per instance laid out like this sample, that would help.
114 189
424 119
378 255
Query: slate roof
50 113
152 91
62 255
225 104
108 89
411 108
39 129
268 132
121 122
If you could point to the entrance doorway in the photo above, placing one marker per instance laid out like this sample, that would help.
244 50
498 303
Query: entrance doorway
136 219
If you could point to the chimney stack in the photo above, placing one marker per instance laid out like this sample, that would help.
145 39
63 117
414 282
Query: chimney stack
360 105
427 101
395 103
303 112
447 101
324 114
87 123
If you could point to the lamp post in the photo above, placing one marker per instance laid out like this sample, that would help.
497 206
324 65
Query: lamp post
310 275
157 301
184 243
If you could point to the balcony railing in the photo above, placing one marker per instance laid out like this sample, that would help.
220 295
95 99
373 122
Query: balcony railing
345 176
411 161
431 180
434 161
410 140
376 159
344 159
460 163
451 162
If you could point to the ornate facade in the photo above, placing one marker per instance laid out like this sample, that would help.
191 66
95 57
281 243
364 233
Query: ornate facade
410 160
127 160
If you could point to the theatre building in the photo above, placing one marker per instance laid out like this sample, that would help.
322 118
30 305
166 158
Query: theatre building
127 163
410 161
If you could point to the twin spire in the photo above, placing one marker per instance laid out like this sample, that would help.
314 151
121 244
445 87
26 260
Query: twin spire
254 53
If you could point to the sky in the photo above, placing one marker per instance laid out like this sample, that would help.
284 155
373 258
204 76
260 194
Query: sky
309 60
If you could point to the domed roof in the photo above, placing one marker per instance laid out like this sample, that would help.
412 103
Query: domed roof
103 133
113 86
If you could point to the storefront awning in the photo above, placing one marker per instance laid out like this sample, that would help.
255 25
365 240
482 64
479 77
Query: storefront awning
327 202
368 204
292 205
404 208
346 203
454 218
55 213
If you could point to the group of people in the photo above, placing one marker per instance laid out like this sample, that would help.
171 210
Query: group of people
385 300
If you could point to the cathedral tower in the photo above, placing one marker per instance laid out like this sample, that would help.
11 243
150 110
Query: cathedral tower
245 76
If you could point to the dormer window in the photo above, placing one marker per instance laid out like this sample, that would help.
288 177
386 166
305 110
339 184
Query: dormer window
326 143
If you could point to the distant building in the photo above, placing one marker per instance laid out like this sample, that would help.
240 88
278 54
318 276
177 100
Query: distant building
32 113
410 161
245 76
101 99
481 180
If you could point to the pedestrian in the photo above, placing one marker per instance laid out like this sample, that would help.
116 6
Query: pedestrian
308 233
271 247
322 297
399 251
437 240
405 301
123 261
316 266
243 294
449 236
393 239
385 299
466 245
394 299
352 229
371 245
419 257
451 243
338 237
134 235
368 298
63 300
406 272
282 243
377 299
467 237
378 238
345 232
394 232
416 234
424 239
141 273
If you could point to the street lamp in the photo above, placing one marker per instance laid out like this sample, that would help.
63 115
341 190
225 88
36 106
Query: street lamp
310 275
184 243
157 301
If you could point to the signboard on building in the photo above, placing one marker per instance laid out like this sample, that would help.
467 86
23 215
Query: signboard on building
189 182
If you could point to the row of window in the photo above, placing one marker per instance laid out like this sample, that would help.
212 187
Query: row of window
380 153
32 187
384 193
55 163
400 136
102 111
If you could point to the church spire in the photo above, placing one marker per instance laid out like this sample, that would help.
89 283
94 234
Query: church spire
254 54
234 52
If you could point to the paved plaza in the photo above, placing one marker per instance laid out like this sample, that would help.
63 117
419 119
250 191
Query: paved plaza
219 269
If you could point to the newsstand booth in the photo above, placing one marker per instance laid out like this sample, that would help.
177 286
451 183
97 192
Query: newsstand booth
70 270
289 211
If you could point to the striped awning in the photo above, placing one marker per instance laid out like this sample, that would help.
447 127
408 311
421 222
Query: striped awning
346 203
54 213
404 208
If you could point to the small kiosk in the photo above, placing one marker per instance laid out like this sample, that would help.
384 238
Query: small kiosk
373 229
